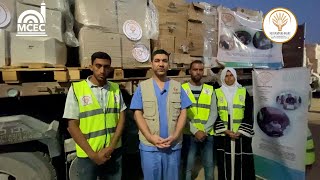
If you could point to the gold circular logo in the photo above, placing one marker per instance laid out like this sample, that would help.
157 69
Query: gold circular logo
280 25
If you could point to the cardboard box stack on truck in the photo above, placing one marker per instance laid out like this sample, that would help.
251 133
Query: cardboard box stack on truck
36 72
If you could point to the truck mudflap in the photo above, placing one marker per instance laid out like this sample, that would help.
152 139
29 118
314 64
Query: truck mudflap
23 128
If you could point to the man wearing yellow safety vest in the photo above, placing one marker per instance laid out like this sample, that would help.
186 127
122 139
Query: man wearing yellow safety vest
198 135
234 129
95 112
160 110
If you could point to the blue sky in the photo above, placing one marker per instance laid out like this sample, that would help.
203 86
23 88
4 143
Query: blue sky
306 11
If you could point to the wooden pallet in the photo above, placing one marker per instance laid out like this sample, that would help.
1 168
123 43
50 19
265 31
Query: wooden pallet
11 75
179 66
34 66
77 73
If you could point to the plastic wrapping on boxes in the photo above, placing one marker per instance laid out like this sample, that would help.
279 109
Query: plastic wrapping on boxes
93 39
128 60
132 10
10 6
4 48
64 7
152 22
50 4
97 13
37 50
69 36
242 42
195 12
54 26
210 47
249 12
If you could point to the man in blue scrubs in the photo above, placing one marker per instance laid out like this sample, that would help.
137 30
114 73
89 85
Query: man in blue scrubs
160 112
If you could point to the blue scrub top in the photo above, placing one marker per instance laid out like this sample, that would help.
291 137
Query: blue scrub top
136 104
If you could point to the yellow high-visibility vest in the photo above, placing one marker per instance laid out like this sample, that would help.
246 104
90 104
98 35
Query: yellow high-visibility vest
199 112
98 124
310 153
151 109
238 107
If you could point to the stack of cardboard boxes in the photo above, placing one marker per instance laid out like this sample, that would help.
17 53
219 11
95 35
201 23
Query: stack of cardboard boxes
183 27
313 54
28 50
203 23
173 18
101 29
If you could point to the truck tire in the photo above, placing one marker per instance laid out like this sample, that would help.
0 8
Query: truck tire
27 166
73 173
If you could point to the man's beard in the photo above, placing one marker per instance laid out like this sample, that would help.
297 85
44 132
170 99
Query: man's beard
196 79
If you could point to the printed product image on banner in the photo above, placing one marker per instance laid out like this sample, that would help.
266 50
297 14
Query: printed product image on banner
272 121
260 41
244 37
289 100
226 42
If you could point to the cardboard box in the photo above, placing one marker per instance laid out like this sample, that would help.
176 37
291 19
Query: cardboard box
171 7
50 4
11 6
313 51
173 25
180 58
194 43
54 24
4 48
125 12
128 60
196 12
182 45
97 13
195 30
26 50
92 40
315 65
195 35
166 42
196 47
192 46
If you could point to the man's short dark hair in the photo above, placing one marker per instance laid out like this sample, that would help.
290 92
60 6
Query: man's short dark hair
159 51
99 55
196 62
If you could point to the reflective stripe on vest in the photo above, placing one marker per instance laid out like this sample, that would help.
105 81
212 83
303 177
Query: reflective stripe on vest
238 107
199 112
98 124
310 151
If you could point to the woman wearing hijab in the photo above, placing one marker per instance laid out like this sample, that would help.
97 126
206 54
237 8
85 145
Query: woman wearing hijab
234 129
